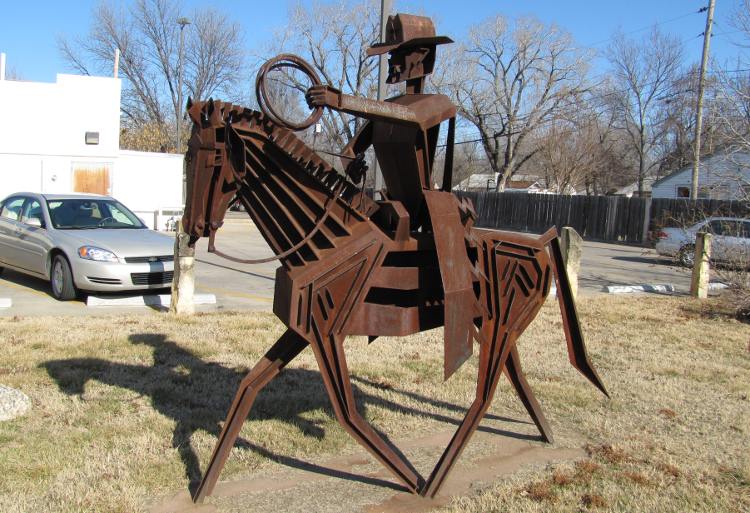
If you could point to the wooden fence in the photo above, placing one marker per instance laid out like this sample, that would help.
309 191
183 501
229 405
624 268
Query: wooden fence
667 212
602 218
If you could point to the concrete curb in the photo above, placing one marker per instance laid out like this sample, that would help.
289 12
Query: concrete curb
6 302
628 289
148 300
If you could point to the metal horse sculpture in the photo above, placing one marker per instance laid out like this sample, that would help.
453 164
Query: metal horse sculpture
354 266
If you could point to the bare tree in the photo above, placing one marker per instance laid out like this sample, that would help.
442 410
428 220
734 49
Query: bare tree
12 73
334 37
731 106
147 35
643 74
468 159
567 154
508 80
675 149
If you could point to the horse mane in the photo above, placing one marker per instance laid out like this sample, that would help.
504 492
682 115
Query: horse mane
218 114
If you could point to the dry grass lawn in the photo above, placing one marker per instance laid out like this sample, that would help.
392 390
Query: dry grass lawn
126 408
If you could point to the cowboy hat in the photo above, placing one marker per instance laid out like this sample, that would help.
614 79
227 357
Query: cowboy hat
405 30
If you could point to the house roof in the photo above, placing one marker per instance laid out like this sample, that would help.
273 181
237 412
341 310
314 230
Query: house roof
476 181
719 154
648 183
521 184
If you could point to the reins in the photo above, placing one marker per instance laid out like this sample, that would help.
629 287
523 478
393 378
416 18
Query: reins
278 62
330 203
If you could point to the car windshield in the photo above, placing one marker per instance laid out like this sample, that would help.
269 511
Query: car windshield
88 213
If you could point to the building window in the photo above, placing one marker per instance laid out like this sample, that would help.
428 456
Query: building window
683 192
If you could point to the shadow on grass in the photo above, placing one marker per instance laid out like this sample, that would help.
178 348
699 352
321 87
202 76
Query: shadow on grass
198 394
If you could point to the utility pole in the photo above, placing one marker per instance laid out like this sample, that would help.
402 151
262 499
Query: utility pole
385 9
699 106
178 143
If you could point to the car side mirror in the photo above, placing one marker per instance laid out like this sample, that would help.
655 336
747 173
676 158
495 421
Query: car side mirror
34 221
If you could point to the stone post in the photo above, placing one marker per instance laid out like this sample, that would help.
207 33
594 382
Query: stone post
183 283
572 249
701 266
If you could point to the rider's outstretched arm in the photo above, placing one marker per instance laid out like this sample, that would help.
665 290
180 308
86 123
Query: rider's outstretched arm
327 96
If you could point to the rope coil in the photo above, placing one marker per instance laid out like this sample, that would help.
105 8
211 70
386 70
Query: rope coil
285 60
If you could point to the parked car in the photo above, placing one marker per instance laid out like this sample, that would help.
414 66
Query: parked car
82 242
730 242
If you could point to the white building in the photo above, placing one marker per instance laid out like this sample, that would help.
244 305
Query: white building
485 182
631 189
721 176
64 137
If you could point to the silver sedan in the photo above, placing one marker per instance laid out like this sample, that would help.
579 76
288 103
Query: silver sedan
82 242
730 242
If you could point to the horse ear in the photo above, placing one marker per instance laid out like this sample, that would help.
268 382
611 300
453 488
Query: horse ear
214 112
194 110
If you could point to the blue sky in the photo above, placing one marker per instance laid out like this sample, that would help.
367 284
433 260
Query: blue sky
28 29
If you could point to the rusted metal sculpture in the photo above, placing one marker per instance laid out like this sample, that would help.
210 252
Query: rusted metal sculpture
354 266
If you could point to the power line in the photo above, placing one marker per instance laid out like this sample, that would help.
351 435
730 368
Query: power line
657 24
596 113
526 116
602 76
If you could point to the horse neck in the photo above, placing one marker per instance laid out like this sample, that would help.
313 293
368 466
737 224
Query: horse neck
287 190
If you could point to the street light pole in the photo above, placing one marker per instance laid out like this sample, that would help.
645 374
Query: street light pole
178 143
385 9
183 281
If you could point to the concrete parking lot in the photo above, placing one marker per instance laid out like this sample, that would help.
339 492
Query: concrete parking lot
235 286
250 287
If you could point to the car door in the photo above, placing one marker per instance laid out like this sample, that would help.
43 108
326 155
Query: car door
719 248
745 241
9 230
34 242
736 242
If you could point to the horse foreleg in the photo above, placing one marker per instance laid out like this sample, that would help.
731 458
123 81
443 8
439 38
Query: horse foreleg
329 352
281 353
515 374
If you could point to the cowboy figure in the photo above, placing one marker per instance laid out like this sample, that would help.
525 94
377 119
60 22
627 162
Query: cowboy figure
403 131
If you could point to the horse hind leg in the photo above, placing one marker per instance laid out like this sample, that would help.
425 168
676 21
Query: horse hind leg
491 360
515 301
516 377
576 347
329 352
281 353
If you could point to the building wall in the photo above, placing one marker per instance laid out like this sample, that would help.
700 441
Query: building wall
43 142
52 119
720 177
148 182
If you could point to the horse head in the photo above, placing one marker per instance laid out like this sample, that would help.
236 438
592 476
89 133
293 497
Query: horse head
210 182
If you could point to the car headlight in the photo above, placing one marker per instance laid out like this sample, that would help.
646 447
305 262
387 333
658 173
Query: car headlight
97 254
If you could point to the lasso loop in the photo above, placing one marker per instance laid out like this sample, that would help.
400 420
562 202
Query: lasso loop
285 60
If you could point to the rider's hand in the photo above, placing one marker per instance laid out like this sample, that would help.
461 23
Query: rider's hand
357 168
323 96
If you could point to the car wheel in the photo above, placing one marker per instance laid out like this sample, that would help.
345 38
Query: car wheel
61 280
2 269
686 256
